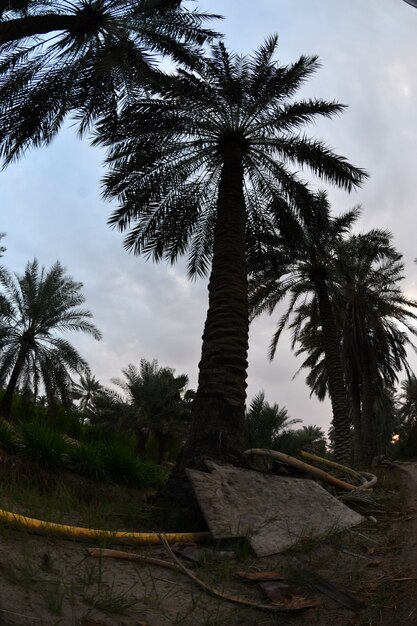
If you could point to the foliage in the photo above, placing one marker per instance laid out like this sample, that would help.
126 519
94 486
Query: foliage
42 444
155 407
301 268
9 436
101 52
264 423
87 459
85 391
36 308
372 319
123 465
407 401
308 438
158 402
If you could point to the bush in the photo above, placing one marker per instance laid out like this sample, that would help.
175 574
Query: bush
43 445
123 465
87 459
9 438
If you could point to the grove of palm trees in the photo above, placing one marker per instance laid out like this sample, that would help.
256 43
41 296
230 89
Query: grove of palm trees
214 163
203 160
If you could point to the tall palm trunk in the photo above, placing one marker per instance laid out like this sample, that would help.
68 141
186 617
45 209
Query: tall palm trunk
219 407
370 443
355 398
336 382
6 403
218 410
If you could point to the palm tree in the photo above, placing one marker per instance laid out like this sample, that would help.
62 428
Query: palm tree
265 422
86 390
159 402
35 308
302 266
204 168
408 400
377 324
84 58
374 322
308 438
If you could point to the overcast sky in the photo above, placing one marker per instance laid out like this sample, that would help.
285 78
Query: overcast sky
52 209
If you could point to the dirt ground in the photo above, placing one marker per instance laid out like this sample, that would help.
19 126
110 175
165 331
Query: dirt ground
49 581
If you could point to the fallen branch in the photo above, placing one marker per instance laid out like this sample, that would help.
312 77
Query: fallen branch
221 594
130 556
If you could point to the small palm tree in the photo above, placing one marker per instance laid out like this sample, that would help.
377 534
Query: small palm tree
159 403
308 438
35 309
265 422
83 58
204 167
86 390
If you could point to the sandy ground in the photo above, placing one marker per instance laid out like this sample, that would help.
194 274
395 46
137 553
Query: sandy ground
47 581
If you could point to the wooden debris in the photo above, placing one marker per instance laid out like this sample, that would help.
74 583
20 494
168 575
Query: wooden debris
130 556
285 595
273 512
331 590
225 596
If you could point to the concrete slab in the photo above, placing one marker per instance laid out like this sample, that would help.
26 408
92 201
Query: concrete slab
273 512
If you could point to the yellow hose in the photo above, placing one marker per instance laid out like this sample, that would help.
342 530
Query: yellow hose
77 532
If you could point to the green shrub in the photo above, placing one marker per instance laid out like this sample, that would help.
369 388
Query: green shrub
9 437
123 465
87 459
42 444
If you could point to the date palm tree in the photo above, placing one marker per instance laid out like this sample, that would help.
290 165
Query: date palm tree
264 423
375 324
378 323
83 58
204 169
303 266
408 400
86 390
159 403
35 309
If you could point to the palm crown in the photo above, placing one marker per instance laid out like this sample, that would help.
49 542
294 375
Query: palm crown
35 309
167 152
89 58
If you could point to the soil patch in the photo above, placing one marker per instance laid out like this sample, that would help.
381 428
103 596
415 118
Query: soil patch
54 582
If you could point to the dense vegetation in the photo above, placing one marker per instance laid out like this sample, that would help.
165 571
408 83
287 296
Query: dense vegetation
203 161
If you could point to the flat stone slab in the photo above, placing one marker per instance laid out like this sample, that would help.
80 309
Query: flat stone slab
273 512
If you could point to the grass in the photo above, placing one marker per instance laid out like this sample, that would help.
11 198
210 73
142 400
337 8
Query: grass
60 574
42 444
109 599
114 460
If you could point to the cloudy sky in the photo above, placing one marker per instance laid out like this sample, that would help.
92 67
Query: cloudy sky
52 209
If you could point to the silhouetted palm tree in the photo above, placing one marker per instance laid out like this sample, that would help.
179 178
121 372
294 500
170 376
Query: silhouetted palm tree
86 390
304 266
83 58
35 309
205 167
159 403
408 400
264 423
374 321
